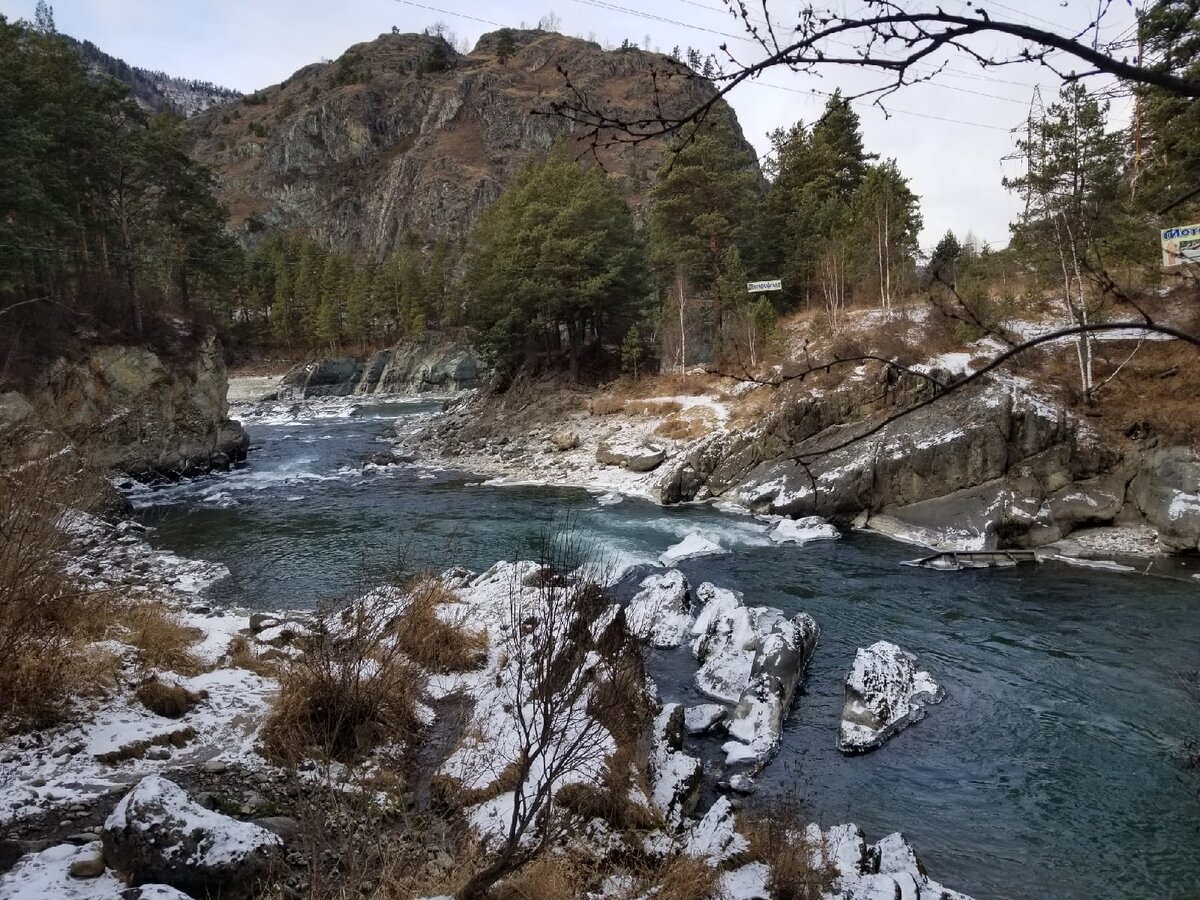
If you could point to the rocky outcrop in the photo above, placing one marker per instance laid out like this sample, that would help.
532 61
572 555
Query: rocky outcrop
675 777
1167 492
131 409
157 835
884 695
427 366
887 869
430 365
404 134
988 466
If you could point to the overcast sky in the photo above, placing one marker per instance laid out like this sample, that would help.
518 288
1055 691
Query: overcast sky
950 138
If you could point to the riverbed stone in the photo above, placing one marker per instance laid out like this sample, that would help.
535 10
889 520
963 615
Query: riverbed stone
885 693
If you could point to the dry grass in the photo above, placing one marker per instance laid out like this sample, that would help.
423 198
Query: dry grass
682 877
552 875
606 406
685 427
47 619
161 641
652 408
432 642
172 701
137 749
351 690
777 839
243 655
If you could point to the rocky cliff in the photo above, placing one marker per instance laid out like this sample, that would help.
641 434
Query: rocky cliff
405 134
131 409
431 365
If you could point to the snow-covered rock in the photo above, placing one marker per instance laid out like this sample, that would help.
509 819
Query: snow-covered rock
888 870
660 611
691 547
674 775
704 718
803 531
753 657
884 694
715 837
157 835
778 667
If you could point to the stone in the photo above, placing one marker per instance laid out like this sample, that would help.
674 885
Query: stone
632 454
285 827
705 718
884 694
675 777
214 767
659 612
565 440
157 835
88 864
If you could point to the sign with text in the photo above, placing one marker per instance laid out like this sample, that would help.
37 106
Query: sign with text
757 287
1181 245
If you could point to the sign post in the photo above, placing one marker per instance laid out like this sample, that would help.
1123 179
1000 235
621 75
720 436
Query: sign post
1180 245
758 287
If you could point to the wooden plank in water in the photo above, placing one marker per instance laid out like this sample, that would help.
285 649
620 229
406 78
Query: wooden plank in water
956 560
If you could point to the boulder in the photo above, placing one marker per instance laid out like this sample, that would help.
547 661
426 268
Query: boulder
704 718
1167 492
156 834
630 453
565 440
675 777
803 531
884 694
691 547
329 377
756 725
861 871
715 838
659 612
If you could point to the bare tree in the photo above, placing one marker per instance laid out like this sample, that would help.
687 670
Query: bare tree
564 643
908 46
551 21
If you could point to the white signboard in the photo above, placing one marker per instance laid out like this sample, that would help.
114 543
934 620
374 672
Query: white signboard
1181 245
757 287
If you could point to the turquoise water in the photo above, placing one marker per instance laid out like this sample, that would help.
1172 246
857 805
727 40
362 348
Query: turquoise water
1053 768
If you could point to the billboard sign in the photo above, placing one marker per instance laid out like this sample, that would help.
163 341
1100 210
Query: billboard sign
757 287
1181 245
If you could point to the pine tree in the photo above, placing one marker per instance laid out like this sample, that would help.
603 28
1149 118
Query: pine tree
556 254
943 264
703 204
505 45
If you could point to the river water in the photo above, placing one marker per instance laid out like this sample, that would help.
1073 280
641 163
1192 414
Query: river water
1052 769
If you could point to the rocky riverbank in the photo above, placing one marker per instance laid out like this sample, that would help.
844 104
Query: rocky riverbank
179 800
996 465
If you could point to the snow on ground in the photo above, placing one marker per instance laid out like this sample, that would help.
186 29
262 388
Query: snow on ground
80 759
46 875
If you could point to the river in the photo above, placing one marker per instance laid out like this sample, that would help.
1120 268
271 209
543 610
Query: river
1052 769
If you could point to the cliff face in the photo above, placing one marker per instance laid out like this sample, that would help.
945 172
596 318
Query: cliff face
133 411
404 134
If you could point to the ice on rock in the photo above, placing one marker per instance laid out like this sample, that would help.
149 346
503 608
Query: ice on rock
660 611
691 547
704 718
888 870
803 531
715 838
884 694
674 775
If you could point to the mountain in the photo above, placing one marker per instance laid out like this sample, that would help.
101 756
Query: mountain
153 90
404 134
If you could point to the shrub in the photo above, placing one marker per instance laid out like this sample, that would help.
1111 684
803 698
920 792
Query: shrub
432 642
351 689
172 701
46 616
777 839
606 406
160 639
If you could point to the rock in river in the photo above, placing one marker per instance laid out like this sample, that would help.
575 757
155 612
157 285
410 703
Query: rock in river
884 694
659 612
